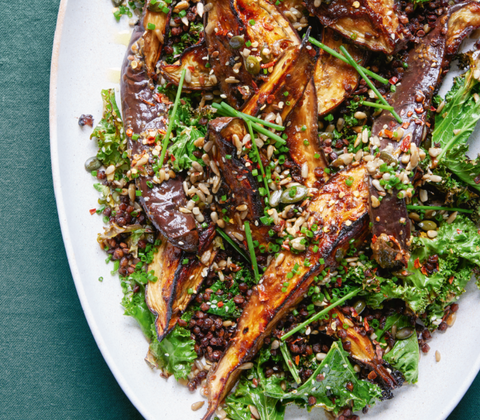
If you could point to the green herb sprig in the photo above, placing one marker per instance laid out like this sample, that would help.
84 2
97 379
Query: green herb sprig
368 81
172 120
251 249
320 314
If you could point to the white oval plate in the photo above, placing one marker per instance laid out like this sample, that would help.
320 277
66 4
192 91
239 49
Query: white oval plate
86 58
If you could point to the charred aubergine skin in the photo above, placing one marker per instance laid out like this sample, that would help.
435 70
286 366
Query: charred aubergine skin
412 101
374 24
146 115
340 218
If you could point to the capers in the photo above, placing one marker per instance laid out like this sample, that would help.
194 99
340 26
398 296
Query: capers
236 42
92 164
359 306
253 65
404 333
428 225
294 194
387 157
275 198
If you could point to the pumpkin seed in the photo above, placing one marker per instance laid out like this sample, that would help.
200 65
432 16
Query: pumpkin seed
92 164
236 42
404 333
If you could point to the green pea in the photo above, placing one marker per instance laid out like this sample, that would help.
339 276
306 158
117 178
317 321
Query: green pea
92 164
253 65
294 194
236 42
404 333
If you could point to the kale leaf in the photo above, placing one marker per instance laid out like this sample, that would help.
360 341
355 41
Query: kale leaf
246 394
328 385
454 125
112 142
404 355
458 248
175 353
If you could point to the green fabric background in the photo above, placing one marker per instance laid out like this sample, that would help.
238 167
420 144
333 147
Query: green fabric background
50 366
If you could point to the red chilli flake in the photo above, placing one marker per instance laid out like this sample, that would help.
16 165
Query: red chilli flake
266 66
220 304
297 359
374 239
405 146
92 211
389 133
394 80
268 27
416 263
365 324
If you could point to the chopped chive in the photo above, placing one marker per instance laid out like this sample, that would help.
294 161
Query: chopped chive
232 243
289 362
375 105
251 118
172 119
248 234
368 81
251 22
412 207
255 148
151 26
320 314
341 57
248 44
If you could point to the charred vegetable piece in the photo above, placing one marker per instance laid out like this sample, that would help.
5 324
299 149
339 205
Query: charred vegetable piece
238 86
159 295
153 38
197 75
461 22
243 188
301 130
145 116
286 83
339 223
267 26
372 24
412 101
334 79
180 275
362 349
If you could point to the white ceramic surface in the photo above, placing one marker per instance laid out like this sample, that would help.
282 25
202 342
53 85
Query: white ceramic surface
86 55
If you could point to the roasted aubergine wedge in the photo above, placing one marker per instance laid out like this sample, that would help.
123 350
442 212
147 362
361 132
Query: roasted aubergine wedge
363 350
197 75
177 282
412 99
146 116
334 79
341 216
371 24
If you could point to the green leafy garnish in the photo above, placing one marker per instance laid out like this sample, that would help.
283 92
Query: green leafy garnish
175 353
454 125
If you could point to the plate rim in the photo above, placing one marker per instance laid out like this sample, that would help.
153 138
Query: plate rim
79 286
62 216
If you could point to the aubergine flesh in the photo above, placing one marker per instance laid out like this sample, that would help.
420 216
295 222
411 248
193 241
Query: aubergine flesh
412 100
345 219
145 114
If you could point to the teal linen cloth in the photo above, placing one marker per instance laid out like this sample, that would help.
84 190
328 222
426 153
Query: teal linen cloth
50 366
